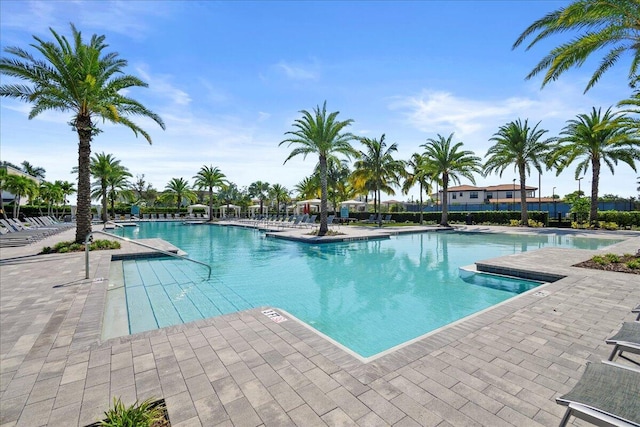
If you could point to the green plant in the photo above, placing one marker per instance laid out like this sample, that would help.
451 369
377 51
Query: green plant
65 247
514 222
634 264
601 260
534 223
143 414
612 258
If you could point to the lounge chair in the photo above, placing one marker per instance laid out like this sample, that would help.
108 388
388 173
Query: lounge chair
636 310
627 339
607 394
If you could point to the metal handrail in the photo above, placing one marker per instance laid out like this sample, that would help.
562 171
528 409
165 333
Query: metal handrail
87 241
104 226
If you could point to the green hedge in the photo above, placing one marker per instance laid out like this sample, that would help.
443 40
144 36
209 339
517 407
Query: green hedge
623 219
493 217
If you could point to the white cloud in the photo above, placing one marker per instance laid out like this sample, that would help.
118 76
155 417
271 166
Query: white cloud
299 71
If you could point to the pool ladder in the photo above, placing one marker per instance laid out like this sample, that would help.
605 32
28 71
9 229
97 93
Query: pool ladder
87 242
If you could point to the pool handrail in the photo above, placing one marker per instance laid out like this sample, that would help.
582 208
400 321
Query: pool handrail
87 241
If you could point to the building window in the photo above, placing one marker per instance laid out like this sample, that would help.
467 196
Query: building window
509 195
489 196
454 196
473 195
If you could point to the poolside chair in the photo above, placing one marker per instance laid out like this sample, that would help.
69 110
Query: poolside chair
636 310
627 339
311 221
607 394
372 218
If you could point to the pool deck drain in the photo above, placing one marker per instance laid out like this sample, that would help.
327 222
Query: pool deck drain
502 367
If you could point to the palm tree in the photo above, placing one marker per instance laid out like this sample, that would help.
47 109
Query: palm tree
595 138
378 167
118 185
177 190
279 193
80 78
209 177
338 174
50 193
450 163
35 171
20 186
259 190
103 167
420 174
519 145
309 187
3 185
229 193
320 134
605 23
67 188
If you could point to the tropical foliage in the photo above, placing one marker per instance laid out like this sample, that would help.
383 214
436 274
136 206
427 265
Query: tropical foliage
450 162
321 134
593 139
519 145
604 24
376 169
209 178
81 78
177 191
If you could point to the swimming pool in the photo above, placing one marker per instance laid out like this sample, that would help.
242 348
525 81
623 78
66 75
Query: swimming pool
367 295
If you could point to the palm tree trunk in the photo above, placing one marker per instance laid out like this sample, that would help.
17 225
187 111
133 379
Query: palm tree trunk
210 203
83 214
105 203
445 200
524 215
323 197
420 204
380 214
595 173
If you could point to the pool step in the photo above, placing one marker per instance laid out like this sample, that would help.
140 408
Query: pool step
164 292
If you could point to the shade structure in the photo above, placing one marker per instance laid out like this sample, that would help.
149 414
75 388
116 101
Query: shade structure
352 203
308 205
225 208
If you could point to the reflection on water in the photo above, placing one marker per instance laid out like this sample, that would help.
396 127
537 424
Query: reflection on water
367 295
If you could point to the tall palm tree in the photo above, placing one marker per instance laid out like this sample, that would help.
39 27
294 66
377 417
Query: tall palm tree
605 24
20 186
320 134
450 162
592 139
103 167
209 177
83 79
177 190
519 145
118 186
279 193
35 171
419 174
259 190
377 166
67 188
50 193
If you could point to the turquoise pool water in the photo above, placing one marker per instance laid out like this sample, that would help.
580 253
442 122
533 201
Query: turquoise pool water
367 295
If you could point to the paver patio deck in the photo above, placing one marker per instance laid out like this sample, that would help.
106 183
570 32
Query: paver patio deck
501 367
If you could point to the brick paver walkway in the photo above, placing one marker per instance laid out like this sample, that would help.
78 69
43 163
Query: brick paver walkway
502 367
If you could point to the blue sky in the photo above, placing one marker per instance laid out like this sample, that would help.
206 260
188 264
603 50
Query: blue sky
229 79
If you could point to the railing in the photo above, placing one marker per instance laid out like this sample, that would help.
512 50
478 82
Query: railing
115 224
87 242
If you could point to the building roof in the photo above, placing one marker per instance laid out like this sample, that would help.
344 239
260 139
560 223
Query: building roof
499 187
